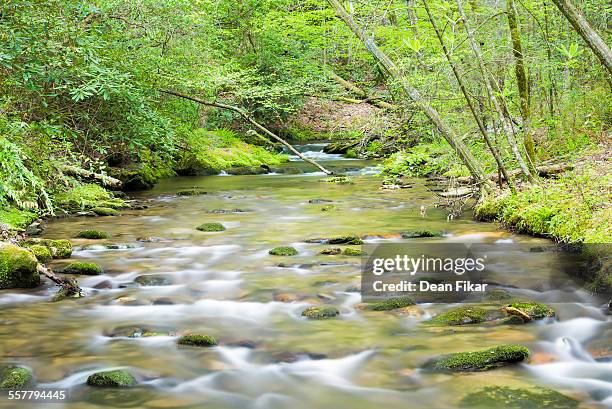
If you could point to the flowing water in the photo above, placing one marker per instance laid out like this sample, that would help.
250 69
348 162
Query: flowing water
227 285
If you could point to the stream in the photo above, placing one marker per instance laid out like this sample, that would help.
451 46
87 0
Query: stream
164 275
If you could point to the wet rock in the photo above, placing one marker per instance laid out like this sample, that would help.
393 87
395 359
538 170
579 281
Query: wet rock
319 201
103 285
322 283
135 331
529 310
127 300
290 357
59 248
17 267
92 235
483 360
210 227
349 240
326 297
89 269
320 312
117 378
339 180
14 377
152 239
63 294
340 147
283 251
35 229
391 304
191 192
163 301
460 316
286 297
42 253
523 398
153 280
353 252
197 340
331 251
105 211
353 289
413 234
248 170
227 211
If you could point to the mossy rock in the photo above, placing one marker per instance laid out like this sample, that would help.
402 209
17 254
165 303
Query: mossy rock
197 340
349 240
87 196
14 377
391 304
191 192
283 251
535 310
42 253
460 316
353 252
331 251
413 234
116 379
17 267
483 360
136 177
92 235
210 227
247 170
59 248
339 180
519 398
132 331
105 211
64 294
153 280
82 268
320 312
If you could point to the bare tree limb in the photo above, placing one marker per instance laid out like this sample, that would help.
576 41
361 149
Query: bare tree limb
86 174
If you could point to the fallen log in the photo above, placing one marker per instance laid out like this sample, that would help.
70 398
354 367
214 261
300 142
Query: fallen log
68 285
516 312
104 180
360 93
543 171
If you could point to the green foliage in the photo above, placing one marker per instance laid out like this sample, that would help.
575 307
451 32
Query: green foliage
16 219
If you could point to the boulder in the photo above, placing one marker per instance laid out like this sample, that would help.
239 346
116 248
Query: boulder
210 227
483 360
17 267
117 378
14 377
197 340
320 312
391 304
92 235
460 316
283 251
83 268
42 253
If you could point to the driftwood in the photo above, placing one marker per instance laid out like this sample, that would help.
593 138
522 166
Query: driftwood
86 174
69 286
256 124
543 171
516 312
360 93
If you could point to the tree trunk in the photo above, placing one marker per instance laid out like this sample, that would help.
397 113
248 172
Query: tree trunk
590 36
522 83
481 127
506 124
360 92
394 72
253 122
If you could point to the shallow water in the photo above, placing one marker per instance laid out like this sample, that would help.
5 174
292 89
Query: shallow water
225 283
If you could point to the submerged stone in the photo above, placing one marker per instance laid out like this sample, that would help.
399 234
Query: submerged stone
82 268
117 378
14 377
135 331
319 201
331 251
339 180
210 227
460 316
42 253
197 340
17 267
191 192
483 360
153 280
283 251
519 398
391 304
413 234
92 235
320 312
105 211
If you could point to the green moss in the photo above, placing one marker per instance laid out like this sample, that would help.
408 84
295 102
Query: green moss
283 251
460 316
391 304
59 248
351 153
117 378
208 227
533 309
412 234
42 253
328 208
353 252
320 312
14 377
88 196
197 340
350 240
480 360
339 180
92 234
191 192
105 211
16 219
17 267
89 269
497 295
510 398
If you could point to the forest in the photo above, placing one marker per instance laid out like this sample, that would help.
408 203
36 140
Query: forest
195 173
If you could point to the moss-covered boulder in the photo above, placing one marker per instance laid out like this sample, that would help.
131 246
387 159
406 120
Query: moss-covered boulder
460 316
533 310
105 211
210 227
339 180
353 252
391 304
413 234
483 360
197 340
14 377
87 196
504 397
42 253
331 251
17 267
320 312
283 251
116 379
350 240
59 248
191 192
92 235
82 268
